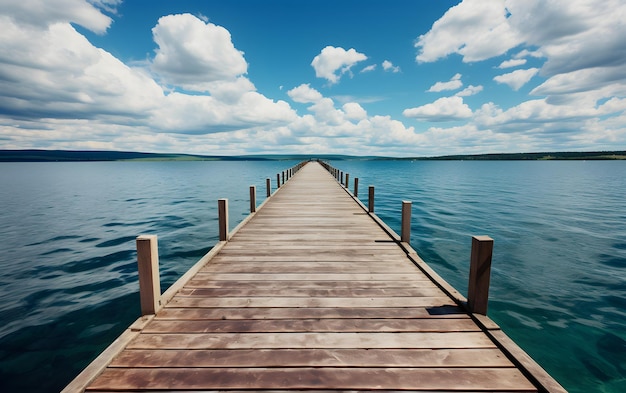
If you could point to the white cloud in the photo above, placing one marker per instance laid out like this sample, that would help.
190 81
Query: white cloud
475 29
193 54
191 114
60 91
470 91
42 13
333 62
369 68
517 78
388 66
528 53
453 84
543 119
572 35
512 63
354 111
54 72
304 94
326 113
443 109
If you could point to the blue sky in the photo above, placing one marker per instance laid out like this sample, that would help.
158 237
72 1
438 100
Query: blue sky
361 77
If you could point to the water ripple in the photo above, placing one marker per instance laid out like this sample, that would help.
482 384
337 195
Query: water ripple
69 282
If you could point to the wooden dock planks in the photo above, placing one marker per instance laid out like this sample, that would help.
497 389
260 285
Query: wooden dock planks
311 294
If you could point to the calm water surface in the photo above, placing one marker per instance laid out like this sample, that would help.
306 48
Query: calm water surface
68 285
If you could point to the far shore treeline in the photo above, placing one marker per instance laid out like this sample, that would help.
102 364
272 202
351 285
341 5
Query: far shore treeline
86 155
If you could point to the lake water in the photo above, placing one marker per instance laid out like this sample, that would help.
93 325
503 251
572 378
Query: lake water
68 284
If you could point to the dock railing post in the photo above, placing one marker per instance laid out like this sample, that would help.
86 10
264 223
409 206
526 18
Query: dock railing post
356 186
252 199
268 185
149 281
341 179
277 181
347 180
406 222
370 203
479 275
222 212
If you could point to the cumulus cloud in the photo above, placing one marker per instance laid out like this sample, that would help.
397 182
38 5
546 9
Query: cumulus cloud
388 66
192 114
453 84
304 94
333 62
443 109
58 90
54 72
42 13
512 63
193 53
469 91
354 111
516 79
572 36
347 129
475 29
605 81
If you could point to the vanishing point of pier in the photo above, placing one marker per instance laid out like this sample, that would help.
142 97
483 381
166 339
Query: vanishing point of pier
312 292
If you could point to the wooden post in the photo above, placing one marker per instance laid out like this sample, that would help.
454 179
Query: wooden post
406 222
356 186
268 185
341 178
479 275
347 179
252 199
371 199
283 177
277 181
222 213
148 266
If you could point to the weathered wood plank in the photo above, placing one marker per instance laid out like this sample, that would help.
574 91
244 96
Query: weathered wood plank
313 358
277 302
310 340
311 293
304 258
309 313
207 282
312 325
310 267
308 277
279 291
314 378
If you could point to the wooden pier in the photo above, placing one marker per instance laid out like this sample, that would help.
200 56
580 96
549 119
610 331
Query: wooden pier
310 292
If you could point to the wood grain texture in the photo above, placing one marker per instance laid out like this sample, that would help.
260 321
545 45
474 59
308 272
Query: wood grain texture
312 358
311 294
315 378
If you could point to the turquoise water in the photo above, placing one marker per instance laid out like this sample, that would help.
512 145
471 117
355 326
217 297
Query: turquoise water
69 285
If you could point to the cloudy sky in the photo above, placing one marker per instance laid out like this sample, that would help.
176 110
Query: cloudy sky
361 77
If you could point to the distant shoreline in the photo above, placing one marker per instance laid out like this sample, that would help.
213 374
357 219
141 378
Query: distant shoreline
86 155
